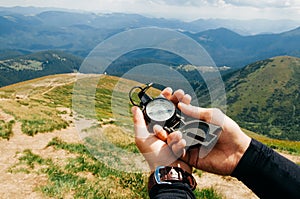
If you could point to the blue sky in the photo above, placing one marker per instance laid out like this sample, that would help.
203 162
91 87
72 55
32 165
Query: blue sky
180 9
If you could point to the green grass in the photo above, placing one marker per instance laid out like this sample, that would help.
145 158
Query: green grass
35 117
118 137
208 193
81 176
37 111
61 96
36 125
264 97
29 106
28 162
197 172
292 147
6 129
90 103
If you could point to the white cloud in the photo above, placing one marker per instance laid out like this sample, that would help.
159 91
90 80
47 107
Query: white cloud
180 9
238 3
265 3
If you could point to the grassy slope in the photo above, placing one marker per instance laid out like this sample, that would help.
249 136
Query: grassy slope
264 97
291 147
81 175
43 96
261 83
26 103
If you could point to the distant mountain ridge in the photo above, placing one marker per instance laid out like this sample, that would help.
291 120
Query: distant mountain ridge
230 48
79 33
243 27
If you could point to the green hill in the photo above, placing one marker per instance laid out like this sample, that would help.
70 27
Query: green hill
25 67
264 97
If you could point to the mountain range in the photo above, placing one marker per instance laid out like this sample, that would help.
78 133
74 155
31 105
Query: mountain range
243 27
78 33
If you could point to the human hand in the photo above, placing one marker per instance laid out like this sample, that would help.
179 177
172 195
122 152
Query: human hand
227 152
153 146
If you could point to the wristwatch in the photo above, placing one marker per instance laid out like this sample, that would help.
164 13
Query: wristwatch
168 175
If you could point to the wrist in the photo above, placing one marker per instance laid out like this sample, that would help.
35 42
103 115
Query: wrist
183 165
171 176
242 148
178 163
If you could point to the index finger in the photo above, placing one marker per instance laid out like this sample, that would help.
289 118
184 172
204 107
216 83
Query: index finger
140 127
167 93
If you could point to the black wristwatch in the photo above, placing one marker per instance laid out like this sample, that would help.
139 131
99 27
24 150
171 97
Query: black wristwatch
168 175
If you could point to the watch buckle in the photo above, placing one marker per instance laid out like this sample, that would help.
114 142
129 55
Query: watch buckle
158 176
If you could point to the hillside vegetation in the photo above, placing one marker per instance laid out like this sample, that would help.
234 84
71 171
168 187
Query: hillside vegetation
264 97
18 68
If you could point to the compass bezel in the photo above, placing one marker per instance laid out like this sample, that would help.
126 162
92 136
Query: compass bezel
160 106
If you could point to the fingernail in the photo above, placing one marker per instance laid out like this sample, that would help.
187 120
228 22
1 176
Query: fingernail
157 128
169 89
179 134
133 109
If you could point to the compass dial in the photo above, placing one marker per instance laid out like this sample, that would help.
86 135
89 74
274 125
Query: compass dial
160 109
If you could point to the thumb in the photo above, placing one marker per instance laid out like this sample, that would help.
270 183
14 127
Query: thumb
140 127
210 115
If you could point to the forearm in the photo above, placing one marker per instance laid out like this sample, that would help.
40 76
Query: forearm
176 190
267 173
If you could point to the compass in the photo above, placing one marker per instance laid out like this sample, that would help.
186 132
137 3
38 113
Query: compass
164 112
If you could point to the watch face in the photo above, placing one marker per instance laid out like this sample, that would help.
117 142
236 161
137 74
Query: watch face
160 109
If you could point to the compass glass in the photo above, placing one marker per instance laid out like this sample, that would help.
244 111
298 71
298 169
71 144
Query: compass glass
160 109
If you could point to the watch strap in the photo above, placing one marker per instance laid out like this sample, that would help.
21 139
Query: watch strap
165 175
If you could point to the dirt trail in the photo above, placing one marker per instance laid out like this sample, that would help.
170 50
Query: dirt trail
22 185
5 117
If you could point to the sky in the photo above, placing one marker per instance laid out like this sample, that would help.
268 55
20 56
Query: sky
186 10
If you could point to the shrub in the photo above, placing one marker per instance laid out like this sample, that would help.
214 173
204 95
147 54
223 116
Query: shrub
6 129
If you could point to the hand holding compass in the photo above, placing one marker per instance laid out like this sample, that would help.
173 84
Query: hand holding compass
163 112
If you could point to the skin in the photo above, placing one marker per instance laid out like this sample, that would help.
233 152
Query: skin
160 148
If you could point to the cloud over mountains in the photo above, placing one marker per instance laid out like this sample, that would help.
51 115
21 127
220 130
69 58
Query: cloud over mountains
180 9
